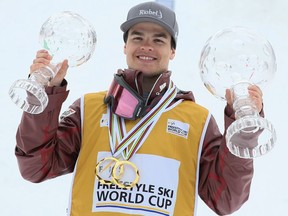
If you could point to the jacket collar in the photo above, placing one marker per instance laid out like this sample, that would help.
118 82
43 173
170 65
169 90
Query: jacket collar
135 79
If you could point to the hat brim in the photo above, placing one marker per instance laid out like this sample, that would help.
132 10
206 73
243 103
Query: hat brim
128 24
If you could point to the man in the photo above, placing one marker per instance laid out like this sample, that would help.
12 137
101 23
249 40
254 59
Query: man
143 147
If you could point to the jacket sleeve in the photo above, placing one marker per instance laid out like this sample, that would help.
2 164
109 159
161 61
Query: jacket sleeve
46 148
224 179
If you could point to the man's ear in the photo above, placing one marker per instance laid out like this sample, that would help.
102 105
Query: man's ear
124 49
173 53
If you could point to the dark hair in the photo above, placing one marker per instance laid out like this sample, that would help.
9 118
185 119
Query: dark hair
125 37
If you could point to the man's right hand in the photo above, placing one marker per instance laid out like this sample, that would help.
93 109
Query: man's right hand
43 59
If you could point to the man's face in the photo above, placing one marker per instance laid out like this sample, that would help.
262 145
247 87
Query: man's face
148 48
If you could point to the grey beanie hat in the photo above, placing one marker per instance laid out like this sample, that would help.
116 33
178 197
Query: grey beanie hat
152 12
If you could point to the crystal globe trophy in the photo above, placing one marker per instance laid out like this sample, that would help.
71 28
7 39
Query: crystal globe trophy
235 58
65 35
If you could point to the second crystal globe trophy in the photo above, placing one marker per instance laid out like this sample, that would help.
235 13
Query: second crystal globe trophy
65 35
235 58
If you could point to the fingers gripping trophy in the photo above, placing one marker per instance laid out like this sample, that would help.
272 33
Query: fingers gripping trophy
66 35
235 58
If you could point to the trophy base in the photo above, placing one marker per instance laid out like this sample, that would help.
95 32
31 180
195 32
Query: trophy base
250 137
29 95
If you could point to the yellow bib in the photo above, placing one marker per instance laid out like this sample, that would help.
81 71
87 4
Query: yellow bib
168 163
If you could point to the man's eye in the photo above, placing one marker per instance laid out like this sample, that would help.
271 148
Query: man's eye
159 41
137 38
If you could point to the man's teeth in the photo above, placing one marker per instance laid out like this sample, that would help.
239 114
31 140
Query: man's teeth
145 58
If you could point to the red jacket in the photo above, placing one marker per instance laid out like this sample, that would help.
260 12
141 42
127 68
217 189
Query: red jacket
47 148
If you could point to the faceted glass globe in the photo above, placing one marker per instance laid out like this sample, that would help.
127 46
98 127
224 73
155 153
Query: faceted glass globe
66 35
235 58
233 55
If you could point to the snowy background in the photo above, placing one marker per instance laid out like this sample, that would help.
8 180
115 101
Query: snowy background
20 22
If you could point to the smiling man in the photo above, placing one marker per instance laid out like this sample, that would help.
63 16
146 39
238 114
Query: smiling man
144 147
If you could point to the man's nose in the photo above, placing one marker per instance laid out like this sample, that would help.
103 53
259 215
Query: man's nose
146 46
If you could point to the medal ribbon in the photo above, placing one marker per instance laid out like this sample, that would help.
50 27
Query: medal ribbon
120 140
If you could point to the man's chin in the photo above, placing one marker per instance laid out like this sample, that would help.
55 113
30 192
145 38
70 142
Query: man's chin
148 73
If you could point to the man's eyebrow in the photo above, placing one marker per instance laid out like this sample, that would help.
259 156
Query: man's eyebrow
134 32
161 34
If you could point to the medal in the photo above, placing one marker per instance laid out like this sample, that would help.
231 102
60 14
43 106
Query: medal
110 170
104 169
126 165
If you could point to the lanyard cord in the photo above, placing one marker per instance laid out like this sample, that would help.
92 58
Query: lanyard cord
127 144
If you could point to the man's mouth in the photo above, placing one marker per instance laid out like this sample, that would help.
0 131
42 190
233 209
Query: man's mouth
146 58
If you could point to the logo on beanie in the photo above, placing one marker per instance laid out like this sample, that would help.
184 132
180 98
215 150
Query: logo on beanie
157 13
